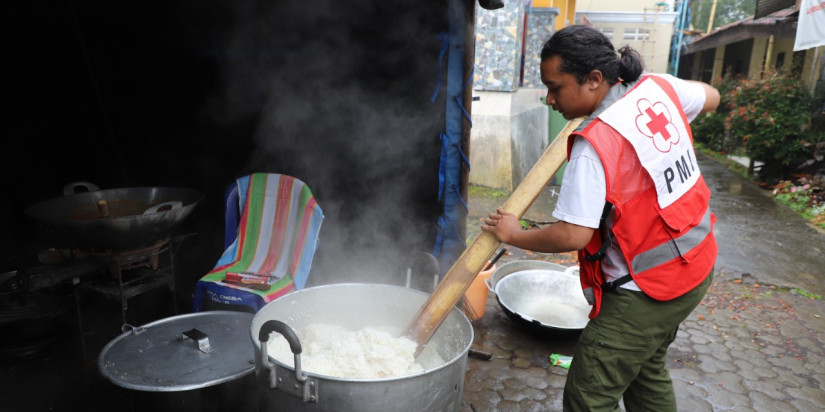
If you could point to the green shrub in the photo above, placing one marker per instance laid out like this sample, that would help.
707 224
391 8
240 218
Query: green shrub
771 118
709 128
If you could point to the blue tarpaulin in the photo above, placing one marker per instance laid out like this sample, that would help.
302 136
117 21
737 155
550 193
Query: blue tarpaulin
450 241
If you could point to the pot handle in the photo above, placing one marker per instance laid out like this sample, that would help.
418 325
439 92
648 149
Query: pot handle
129 328
175 204
200 338
71 188
489 285
277 326
294 345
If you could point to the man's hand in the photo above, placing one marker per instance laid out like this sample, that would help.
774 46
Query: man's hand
502 224
556 238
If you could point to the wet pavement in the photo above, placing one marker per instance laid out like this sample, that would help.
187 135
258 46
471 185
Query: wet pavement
755 343
757 236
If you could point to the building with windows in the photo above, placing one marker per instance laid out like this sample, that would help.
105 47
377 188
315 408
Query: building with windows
644 25
753 47
566 8
510 120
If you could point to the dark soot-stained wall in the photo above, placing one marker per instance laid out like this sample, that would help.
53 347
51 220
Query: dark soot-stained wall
193 94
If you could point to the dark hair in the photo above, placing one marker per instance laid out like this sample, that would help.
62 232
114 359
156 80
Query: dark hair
583 49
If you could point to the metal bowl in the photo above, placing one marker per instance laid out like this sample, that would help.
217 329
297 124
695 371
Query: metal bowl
519 266
138 217
541 295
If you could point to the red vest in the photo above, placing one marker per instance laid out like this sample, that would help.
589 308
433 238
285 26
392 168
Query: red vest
669 249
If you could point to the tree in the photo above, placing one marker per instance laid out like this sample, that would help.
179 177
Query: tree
727 11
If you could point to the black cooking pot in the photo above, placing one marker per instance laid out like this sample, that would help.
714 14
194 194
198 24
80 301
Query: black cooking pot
115 219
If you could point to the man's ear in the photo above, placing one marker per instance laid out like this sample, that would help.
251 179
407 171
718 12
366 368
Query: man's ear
594 79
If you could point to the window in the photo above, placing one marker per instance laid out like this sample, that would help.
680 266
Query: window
636 34
607 31
797 62
780 61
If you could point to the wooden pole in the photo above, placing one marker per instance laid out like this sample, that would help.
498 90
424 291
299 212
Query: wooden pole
712 16
465 269
766 69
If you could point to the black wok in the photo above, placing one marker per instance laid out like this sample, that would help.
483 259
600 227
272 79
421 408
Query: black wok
114 219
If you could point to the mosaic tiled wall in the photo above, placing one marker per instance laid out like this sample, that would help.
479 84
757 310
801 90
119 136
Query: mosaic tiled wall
539 28
498 47
499 36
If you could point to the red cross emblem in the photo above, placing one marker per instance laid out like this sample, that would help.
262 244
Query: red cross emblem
654 121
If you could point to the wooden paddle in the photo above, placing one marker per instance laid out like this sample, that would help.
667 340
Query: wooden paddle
465 269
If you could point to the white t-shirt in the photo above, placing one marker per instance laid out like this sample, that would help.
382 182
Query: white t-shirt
583 189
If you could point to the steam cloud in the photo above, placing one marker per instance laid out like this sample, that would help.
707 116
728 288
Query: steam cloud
342 89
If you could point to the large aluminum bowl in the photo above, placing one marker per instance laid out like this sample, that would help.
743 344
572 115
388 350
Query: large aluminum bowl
542 296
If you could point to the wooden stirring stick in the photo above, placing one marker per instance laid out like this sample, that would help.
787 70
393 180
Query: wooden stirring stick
466 306
464 270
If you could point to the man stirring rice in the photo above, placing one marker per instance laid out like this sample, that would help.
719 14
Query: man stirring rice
635 206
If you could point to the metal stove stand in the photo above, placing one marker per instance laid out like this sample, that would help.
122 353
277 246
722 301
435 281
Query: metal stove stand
135 272
132 273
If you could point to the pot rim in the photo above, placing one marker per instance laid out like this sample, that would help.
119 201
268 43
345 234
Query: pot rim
521 316
40 210
447 363
520 265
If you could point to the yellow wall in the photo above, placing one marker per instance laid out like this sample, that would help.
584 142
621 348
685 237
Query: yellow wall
718 61
567 11
812 66
654 50
760 46
625 5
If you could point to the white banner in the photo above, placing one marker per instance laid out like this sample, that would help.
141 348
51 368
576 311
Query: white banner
810 30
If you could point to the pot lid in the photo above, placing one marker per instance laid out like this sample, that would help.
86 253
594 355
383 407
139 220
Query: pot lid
180 353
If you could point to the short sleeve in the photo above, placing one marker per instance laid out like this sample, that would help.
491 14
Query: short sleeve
583 187
691 95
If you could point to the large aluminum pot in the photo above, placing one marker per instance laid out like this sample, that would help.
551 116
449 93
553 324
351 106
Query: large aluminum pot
283 387
543 296
191 362
114 219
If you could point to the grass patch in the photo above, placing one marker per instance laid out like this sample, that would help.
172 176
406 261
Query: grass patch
723 159
487 192
800 292
806 294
